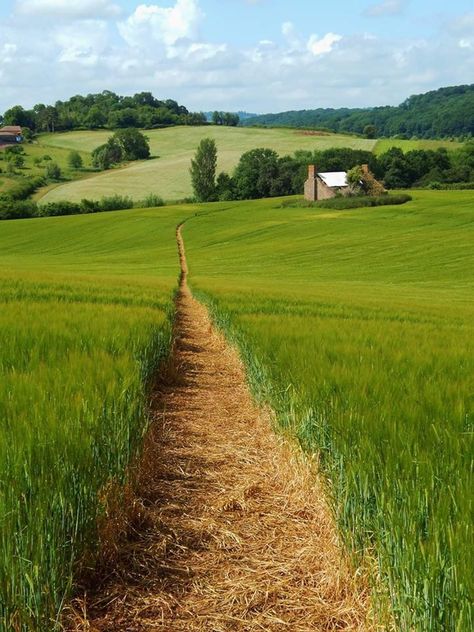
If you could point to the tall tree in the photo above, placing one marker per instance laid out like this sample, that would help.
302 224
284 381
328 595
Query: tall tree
203 171
256 172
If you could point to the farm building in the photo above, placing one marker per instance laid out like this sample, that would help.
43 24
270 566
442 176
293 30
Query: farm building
10 134
322 186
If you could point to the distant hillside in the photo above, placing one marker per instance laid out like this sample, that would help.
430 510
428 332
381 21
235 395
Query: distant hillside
440 113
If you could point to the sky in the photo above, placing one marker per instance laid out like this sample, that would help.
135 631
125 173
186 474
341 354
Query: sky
253 55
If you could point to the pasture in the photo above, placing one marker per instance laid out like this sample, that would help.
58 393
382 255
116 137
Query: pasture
84 322
167 174
384 144
357 326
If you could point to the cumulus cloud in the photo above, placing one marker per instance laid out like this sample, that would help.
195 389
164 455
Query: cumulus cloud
81 9
387 7
161 49
463 29
324 45
165 25
82 44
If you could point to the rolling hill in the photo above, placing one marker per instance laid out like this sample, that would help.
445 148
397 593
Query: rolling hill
440 113
167 174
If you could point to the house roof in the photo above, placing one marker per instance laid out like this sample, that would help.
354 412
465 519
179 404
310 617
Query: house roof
334 178
10 129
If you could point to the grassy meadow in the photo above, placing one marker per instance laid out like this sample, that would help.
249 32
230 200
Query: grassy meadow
85 303
384 144
358 327
167 174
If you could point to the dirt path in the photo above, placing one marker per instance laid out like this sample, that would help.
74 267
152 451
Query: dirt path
237 534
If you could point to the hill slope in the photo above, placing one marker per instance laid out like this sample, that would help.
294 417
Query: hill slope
439 113
168 174
358 326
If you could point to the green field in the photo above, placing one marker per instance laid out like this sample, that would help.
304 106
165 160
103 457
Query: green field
357 326
384 144
84 320
168 173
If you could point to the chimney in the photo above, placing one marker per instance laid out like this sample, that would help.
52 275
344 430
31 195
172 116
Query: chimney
311 184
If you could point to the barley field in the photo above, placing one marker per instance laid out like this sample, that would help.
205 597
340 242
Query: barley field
84 323
358 327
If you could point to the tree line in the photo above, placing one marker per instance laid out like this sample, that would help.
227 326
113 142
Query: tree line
103 110
230 119
443 113
263 173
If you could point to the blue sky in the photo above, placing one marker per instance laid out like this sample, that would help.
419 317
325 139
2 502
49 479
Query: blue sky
257 55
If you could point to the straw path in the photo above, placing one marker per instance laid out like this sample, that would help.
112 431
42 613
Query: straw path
237 535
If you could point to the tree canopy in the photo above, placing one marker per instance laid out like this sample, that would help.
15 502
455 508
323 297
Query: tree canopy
203 171
105 109
125 144
443 113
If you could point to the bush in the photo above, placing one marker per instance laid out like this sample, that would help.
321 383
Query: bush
23 188
152 200
53 171
115 203
74 160
89 206
453 186
55 209
14 150
345 203
17 209
126 144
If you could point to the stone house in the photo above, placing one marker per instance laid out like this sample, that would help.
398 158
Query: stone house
322 186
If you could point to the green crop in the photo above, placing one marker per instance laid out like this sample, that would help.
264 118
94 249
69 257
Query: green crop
85 307
358 327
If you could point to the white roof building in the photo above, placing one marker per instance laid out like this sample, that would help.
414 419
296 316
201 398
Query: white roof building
334 178
325 185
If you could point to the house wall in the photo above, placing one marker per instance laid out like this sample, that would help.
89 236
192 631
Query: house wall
310 190
323 191
8 138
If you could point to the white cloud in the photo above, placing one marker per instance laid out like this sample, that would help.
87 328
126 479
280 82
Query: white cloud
73 9
161 49
387 7
289 32
463 28
324 45
7 53
152 23
82 44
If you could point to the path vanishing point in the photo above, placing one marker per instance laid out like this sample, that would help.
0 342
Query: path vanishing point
235 532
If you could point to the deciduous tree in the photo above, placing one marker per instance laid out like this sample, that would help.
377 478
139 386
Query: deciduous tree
203 171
